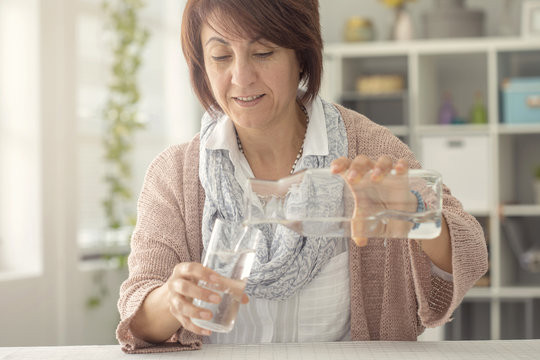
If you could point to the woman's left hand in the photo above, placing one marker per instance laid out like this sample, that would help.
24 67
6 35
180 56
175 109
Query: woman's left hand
375 191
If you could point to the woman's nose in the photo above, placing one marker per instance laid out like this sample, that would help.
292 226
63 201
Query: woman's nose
243 73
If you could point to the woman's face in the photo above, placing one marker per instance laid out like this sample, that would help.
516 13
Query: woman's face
254 81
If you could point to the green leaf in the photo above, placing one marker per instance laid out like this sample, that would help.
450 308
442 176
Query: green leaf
93 302
120 114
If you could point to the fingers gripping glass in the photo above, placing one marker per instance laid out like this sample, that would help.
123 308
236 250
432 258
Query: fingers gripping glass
230 253
316 202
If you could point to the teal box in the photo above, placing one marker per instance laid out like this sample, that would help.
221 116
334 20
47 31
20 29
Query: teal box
521 100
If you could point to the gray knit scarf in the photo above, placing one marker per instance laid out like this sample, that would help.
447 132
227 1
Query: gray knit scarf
285 261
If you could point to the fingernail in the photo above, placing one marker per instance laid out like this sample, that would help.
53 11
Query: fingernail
376 175
205 315
207 332
352 174
214 299
360 241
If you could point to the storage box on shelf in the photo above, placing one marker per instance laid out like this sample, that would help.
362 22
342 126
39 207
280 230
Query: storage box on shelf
519 84
521 100
487 166
464 161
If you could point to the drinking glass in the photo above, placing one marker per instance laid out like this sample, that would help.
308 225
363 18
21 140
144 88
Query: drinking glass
230 253
315 202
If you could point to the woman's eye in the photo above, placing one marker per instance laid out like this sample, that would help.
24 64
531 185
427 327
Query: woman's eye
264 54
220 58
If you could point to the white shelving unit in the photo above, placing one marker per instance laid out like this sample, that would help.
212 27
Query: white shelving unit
499 169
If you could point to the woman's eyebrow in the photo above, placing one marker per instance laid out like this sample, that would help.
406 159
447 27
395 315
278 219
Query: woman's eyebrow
225 42
218 39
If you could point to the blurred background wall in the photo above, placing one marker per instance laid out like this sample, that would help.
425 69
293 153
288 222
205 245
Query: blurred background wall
56 288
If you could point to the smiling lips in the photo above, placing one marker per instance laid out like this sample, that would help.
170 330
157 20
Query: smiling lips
248 100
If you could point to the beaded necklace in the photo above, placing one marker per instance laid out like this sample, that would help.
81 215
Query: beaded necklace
300 152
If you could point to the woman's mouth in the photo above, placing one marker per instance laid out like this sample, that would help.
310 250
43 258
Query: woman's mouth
248 100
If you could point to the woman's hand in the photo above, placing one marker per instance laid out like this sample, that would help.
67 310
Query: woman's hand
183 287
374 191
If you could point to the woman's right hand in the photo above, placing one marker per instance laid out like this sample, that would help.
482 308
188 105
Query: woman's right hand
374 191
183 287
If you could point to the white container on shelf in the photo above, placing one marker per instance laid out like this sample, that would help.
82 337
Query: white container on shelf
464 162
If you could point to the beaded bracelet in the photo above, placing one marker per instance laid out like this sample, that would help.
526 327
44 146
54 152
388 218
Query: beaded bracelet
420 207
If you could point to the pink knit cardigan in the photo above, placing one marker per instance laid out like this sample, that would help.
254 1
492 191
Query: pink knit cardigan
393 292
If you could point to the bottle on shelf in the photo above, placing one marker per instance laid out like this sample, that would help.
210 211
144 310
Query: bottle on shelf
478 111
447 112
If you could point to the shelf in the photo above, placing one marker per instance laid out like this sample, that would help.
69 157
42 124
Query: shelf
479 293
354 96
517 292
428 46
101 252
463 129
519 129
521 210
509 292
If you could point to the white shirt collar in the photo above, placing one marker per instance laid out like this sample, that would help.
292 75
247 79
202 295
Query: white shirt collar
223 136
316 142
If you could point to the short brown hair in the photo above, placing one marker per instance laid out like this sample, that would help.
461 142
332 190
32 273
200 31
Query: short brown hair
292 24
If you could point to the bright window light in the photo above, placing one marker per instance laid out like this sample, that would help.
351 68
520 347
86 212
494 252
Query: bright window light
20 204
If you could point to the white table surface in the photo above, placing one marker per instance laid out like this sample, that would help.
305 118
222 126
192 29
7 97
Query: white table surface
445 350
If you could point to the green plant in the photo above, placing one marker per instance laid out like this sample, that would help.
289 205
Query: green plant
121 113
537 173
122 120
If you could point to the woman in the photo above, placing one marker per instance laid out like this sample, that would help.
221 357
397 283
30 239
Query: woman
256 67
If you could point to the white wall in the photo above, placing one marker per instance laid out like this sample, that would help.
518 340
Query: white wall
30 303
19 136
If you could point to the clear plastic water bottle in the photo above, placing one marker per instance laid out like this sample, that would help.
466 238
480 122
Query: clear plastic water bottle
316 202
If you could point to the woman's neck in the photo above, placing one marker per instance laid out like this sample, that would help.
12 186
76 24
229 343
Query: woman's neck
272 152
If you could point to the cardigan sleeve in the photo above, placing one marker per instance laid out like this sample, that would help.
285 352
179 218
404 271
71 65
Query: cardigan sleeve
437 298
159 242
